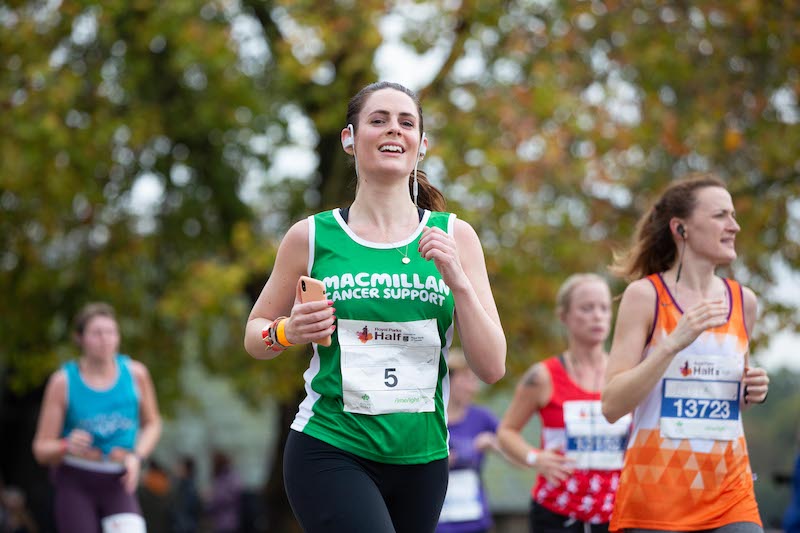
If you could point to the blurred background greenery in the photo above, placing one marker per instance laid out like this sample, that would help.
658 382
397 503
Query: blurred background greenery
152 154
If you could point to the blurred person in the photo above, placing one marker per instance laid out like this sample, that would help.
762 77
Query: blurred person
186 503
224 505
15 516
99 420
791 518
155 497
472 434
579 460
679 362
368 447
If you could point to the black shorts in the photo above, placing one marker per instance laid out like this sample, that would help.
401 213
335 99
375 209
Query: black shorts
334 491
543 520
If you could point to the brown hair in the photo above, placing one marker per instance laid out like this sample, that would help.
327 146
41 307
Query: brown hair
429 197
564 295
88 312
653 249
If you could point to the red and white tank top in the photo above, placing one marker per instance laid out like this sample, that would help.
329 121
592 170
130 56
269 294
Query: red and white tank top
686 467
573 423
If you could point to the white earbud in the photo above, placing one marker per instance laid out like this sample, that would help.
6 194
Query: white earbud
349 141
422 146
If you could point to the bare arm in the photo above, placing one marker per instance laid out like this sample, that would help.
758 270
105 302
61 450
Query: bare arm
149 427
461 263
532 393
48 447
628 378
309 321
755 381
150 418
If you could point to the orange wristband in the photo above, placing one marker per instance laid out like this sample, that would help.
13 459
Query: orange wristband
281 333
270 335
64 445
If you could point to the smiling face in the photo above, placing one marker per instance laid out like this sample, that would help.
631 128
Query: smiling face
587 315
711 228
387 135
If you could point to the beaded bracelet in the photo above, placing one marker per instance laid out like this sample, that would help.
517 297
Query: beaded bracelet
270 335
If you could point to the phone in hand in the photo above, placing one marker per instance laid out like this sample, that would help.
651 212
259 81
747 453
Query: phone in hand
313 290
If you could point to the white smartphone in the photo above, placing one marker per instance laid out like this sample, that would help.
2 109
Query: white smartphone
313 290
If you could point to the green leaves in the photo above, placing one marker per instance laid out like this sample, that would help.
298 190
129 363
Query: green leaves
552 127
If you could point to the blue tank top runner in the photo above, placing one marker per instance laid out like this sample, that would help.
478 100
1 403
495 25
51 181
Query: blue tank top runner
111 416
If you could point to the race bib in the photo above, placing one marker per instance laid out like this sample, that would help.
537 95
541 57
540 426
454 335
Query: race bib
592 442
700 398
389 367
462 502
123 523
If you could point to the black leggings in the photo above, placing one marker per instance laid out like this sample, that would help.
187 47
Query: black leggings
334 491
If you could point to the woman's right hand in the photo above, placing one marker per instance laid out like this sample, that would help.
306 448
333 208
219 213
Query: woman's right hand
79 444
554 466
310 321
707 314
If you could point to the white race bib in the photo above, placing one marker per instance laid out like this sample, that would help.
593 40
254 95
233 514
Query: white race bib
592 442
462 502
389 367
123 523
700 398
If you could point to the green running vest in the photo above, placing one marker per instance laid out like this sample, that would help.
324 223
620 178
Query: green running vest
380 389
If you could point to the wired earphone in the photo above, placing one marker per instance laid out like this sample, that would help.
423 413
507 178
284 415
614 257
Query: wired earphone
682 232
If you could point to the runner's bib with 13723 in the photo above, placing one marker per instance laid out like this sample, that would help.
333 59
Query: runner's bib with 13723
700 398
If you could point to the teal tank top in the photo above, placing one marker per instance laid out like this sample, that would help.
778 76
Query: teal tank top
380 389
111 416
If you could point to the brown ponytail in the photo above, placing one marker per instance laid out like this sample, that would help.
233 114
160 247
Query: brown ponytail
429 197
653 249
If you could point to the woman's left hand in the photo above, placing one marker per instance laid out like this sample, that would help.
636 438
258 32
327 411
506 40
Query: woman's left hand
437 245
133 467
756 385
486 440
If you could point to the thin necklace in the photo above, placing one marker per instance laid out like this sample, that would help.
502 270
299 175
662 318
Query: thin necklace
406 260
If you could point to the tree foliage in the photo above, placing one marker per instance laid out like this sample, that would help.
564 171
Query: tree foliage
552 125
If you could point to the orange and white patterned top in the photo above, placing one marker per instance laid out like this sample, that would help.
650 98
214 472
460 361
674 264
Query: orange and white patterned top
686 467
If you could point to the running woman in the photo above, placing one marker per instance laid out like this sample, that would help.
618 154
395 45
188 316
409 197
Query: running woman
368 450
99 420
580 456
679 362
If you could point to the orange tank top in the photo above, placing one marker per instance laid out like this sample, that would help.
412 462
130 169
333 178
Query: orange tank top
686 466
